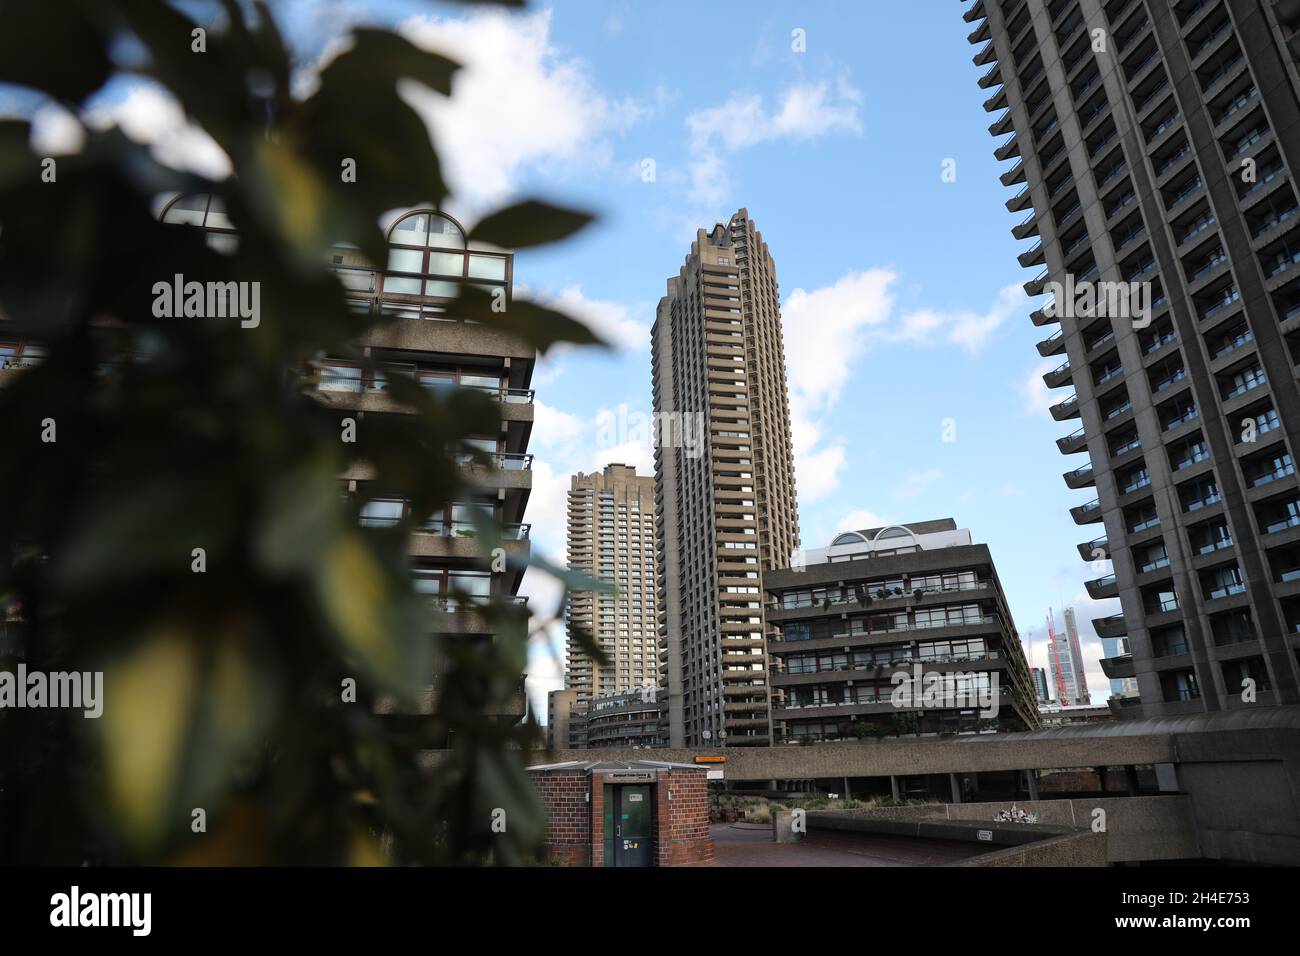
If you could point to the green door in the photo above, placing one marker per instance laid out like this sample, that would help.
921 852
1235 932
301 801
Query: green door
633 825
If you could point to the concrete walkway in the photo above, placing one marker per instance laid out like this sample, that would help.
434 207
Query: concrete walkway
749 844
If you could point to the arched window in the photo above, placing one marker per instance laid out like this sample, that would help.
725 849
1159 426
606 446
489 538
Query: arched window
849 537
428 256
206 211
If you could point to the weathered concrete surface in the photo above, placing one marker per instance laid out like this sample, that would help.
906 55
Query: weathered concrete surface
1084 848
750 845
1238 772
884 758
1143 828
912 837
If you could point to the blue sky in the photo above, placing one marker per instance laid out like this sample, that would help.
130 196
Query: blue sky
900 290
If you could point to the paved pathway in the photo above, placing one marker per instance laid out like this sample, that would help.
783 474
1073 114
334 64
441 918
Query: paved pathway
748 844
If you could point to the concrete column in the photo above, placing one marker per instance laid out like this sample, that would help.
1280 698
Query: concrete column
1131 779
893 786
956 787
1101 777
1167 777
1031 783
848 795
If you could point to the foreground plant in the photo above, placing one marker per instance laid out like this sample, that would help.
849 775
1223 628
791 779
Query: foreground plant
170 508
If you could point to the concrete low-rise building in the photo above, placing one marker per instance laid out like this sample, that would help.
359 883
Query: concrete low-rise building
635 718
898 630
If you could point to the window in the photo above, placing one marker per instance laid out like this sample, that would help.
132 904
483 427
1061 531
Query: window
382 512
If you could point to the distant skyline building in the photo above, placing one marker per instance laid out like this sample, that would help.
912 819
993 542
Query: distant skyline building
1066 660
1041 689
725 501
611 537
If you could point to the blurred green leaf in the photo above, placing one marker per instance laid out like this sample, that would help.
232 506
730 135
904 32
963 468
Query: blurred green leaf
539 326
529 223
83 64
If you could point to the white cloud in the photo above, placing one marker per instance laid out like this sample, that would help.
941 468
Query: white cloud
149 114
827 330
915 483
805 111
623 326
518 101
552 427
861 520
970 330
817 473
56 131
1038 398
824 333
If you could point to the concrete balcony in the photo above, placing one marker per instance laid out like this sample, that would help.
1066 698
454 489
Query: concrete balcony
980 34
1081 477
1033 256
1112 626
1125 708
347 395
1059 376
988 54
1087 549
1040 317
1118 668
1066 409
1101 588
1016 174
1087 513
975 12
1026 227
1034 287
452 338
1020 201
1074 442
1054 344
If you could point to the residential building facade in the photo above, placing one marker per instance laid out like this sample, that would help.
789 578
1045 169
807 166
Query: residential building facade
631 719
611 537
1152 145
865 624
724 483
429 257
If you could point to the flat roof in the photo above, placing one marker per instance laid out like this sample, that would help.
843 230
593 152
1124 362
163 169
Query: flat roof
601 766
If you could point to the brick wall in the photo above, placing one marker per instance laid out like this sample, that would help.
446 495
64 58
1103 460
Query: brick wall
575 826
682 835
568 817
